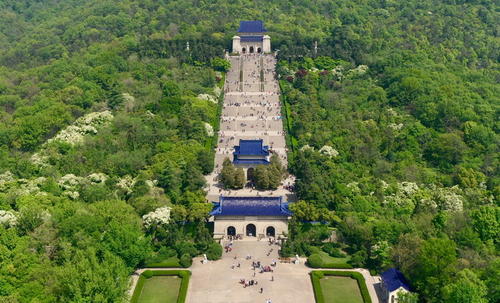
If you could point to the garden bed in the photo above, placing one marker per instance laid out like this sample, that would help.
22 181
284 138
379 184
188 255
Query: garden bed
166 286
339 286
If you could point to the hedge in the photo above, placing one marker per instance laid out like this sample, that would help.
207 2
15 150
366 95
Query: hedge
317 261
286 114
317 275
172 262
211 142
183 274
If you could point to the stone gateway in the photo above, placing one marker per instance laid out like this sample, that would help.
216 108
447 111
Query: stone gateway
252 38
251 217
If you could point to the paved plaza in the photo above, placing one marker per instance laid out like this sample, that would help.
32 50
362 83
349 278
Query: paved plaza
217 282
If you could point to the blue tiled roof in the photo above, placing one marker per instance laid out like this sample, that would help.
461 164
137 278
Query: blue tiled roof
251 161
251 38
256 26
251 148
394 279
251 206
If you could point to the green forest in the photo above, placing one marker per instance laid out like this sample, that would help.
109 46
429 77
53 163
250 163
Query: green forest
108 121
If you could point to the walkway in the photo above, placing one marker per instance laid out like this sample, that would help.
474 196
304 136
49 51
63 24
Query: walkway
251 110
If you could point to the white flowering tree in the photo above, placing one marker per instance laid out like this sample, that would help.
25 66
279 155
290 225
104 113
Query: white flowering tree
157 217
209 129
329 151
85 125
8 218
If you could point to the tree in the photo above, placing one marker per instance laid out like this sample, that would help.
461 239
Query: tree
466 288
491 276
30 217
446 150
228 174
91 276
304 211
406 250
486 221
220 64
407 297
199 211
261 177
192 178
434 267
206 161
275 175
239 178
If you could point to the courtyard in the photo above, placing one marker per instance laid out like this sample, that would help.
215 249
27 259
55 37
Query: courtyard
219 282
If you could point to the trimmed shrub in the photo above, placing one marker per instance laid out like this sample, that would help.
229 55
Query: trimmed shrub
321 260
186 260
147 274
214 251
315 261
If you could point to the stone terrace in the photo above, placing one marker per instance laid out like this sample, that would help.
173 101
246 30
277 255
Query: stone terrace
251 110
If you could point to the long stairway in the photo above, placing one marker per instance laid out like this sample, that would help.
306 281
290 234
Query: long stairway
251 110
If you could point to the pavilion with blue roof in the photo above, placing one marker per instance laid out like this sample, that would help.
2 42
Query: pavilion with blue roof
250 216
393 282
251 153
252 27
251 38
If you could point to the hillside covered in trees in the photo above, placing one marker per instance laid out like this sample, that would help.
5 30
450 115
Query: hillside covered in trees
106 118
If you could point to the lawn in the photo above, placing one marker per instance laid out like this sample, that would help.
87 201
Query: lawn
340 290
329 260
323 260
163 289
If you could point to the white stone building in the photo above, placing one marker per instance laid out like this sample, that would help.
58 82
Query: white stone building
250 217
252 38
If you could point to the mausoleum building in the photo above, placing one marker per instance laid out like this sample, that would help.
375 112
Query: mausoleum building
251 38
250 217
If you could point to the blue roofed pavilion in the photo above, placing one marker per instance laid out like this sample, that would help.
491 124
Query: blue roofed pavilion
251 206
251 152
394 279
256 26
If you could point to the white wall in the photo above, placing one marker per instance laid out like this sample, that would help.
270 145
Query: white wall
221 224
393 296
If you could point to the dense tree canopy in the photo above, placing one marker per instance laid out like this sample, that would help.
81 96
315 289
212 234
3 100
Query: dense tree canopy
107 117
